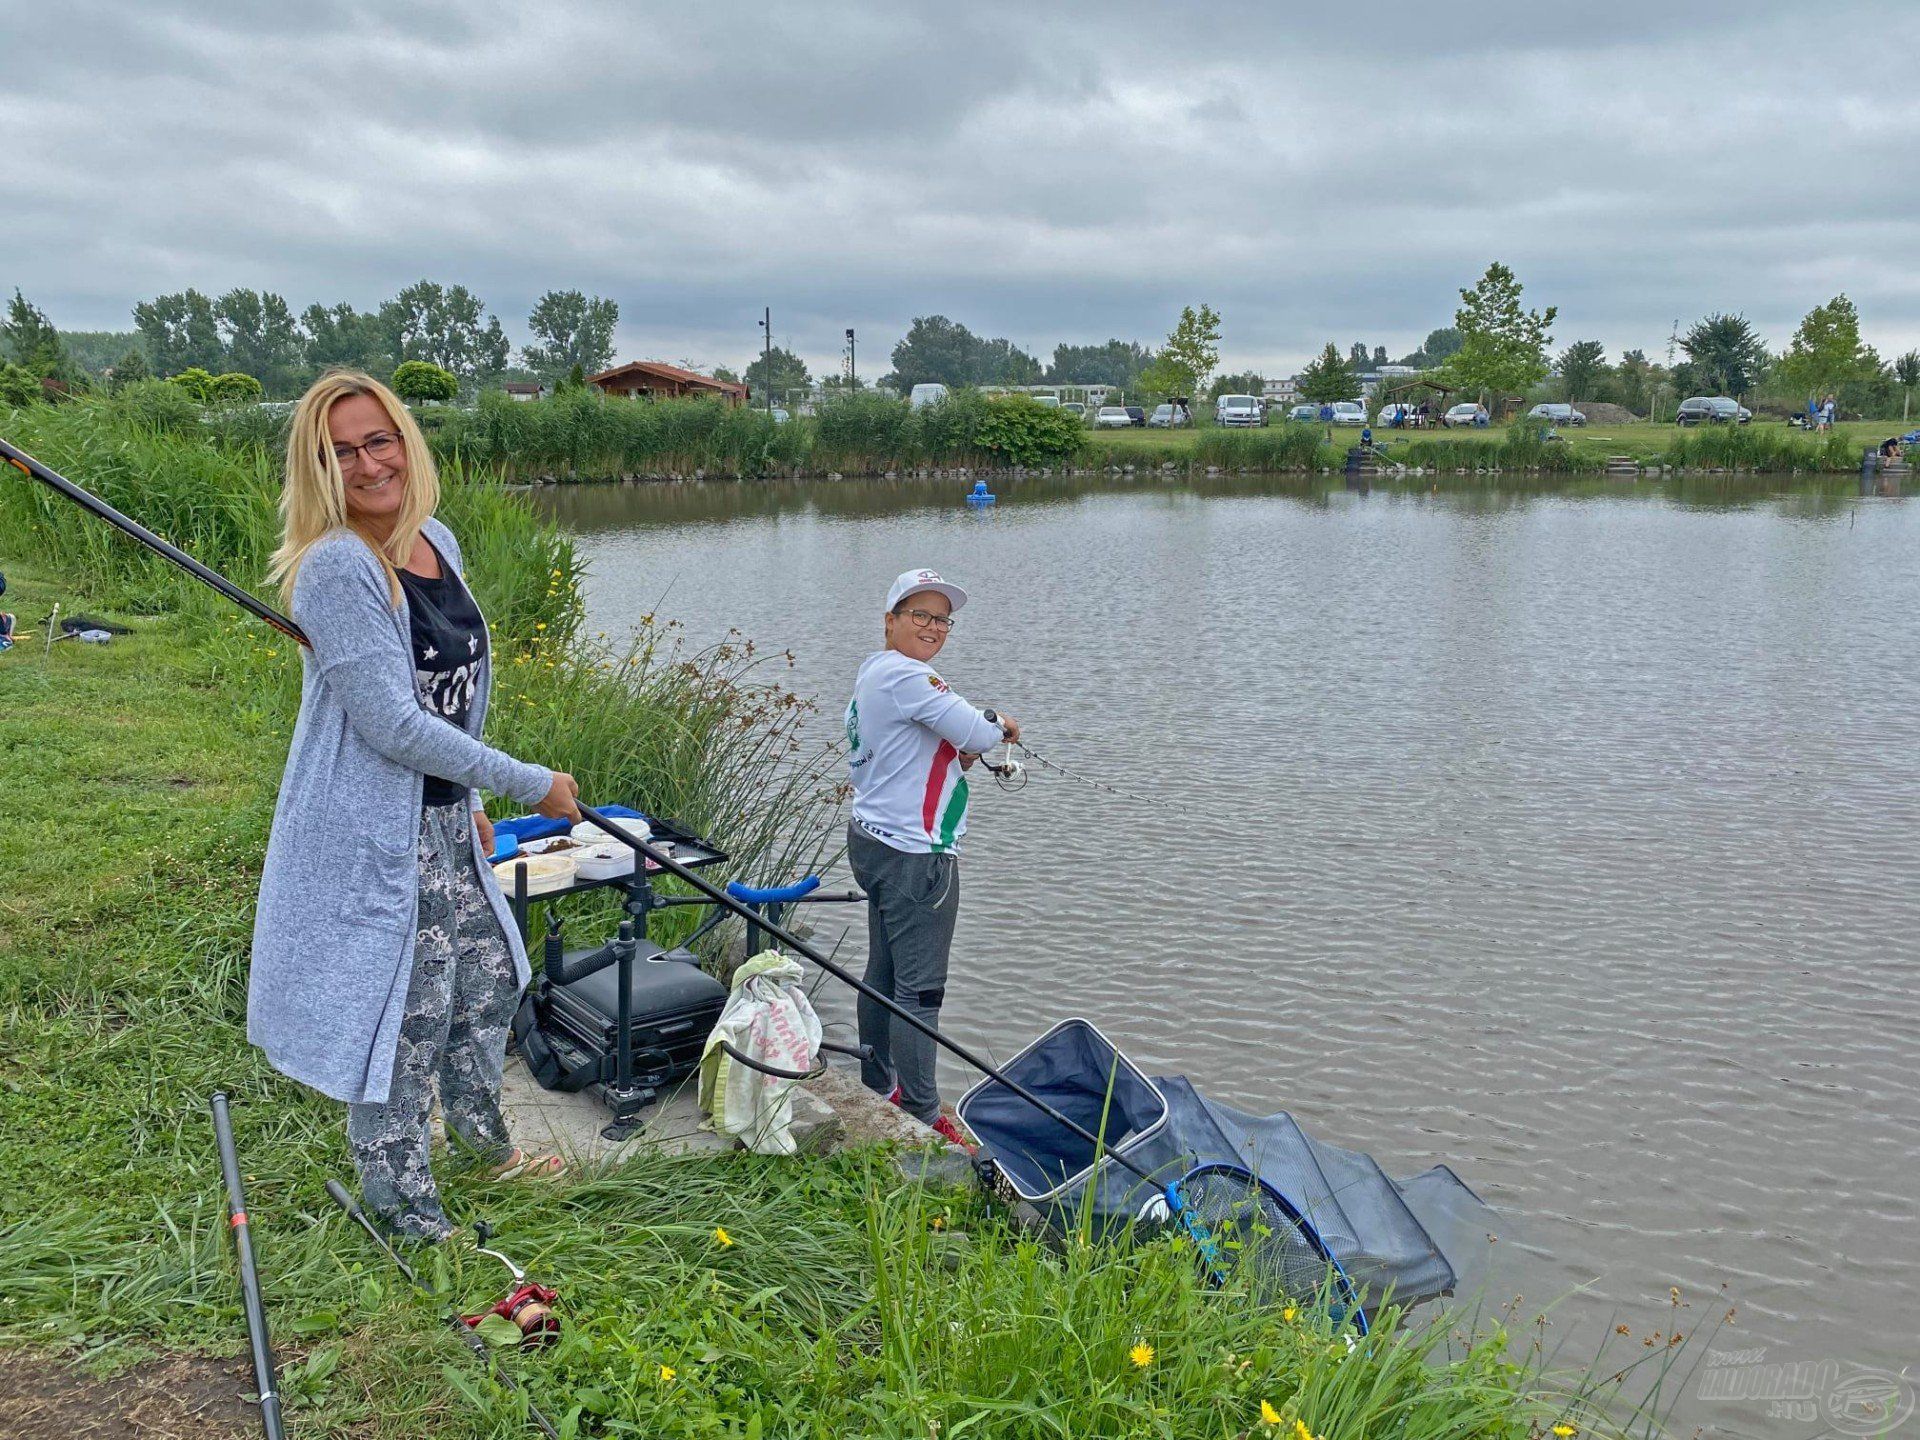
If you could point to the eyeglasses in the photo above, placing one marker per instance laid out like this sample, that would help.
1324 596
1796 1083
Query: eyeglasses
924 618
378 448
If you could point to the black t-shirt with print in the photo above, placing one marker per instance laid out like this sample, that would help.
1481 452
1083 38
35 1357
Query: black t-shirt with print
449 642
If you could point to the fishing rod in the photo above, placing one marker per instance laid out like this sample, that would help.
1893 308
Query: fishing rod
455 1321
94 505
1278 1218
264 1377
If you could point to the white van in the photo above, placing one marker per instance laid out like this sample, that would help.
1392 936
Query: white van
925 395
1239 410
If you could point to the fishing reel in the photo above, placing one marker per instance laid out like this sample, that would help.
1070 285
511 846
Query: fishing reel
1007 771
528 1305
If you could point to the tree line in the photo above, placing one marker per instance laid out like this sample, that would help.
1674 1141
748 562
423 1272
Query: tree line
257 334
247 343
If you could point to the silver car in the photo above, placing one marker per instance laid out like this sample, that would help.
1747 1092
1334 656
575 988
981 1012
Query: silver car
1557 414
1112 417
1349 412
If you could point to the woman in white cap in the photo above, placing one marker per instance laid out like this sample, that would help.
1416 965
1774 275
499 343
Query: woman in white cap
909 740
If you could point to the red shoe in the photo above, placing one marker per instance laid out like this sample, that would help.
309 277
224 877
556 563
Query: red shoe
947 1130
893 1096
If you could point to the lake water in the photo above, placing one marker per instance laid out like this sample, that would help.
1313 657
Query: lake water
1568 837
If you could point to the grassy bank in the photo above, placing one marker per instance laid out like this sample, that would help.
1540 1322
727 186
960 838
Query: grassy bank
709 1296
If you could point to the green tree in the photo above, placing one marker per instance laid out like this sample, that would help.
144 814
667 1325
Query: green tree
1187 358
1245 383
1438 345
418 381
1358 356
1001 362
935 350
1826 352
576 329
19 386
1503 348
777 371
447 325
1906 373
1118 362
261 336
1725 356
131 368
197 381
342 337
1634 381
1581 366
236 387
181 332
32 342
1328 377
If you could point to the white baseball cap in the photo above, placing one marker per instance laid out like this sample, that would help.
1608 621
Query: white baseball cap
914 581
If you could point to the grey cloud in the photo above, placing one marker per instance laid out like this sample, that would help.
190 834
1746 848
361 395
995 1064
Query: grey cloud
1065 173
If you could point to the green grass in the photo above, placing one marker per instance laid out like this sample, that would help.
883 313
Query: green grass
141 777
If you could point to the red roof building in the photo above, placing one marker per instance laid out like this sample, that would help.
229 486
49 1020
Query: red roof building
655 381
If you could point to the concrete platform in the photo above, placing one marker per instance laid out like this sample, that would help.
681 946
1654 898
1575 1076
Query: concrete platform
833 1112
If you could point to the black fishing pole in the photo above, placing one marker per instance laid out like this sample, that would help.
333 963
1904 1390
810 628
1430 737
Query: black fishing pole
94 505
454 1320
1180 1206
264 1377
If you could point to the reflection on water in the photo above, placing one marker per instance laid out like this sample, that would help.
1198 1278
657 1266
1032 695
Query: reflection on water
1563 833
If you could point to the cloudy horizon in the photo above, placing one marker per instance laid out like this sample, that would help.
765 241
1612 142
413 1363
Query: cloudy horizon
1050 176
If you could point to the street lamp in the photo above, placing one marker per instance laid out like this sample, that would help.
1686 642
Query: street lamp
853 374
766 355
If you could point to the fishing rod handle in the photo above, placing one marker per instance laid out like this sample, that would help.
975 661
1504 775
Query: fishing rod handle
359 1217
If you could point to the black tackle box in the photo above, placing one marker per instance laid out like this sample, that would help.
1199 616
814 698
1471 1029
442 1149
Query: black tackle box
673 1007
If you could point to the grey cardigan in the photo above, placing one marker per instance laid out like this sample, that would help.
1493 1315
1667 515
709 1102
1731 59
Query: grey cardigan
333 935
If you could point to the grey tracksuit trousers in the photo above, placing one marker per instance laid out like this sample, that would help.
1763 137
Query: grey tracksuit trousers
912 903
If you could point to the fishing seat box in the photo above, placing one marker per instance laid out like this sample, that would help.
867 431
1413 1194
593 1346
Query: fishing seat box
673 1007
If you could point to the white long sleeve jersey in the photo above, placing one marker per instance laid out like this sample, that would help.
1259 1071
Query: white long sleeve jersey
906 732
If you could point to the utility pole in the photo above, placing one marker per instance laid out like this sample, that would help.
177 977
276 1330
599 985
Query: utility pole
766 355
853 373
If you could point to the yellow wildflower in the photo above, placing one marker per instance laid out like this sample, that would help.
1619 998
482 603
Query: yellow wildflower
1268 1415
1288 1314
721 1237
1563 1431
539 624
1141 1355
667 1372
1300 1431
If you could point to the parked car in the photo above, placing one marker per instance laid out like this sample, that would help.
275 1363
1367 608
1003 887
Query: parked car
1304 412
780 417
1557 414
1468 414
1165 417
922 396
1712 410
1136 415
1112 417
1239 410
1074 408
1050 402
1349 412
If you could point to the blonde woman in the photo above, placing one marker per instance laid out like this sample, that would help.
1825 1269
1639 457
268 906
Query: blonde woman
385 960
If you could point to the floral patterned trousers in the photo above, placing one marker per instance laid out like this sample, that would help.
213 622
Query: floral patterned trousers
460 1001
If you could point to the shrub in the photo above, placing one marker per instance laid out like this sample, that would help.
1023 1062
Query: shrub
18 385
236 388
416 381
863 432
196 382
1018 430
1287 447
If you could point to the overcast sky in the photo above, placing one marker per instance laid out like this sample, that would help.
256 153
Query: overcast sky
1047 173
